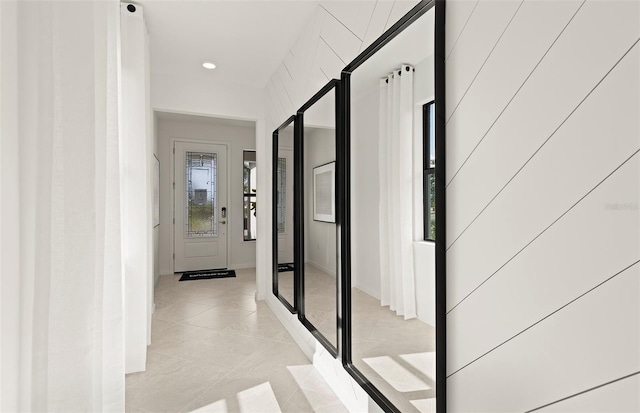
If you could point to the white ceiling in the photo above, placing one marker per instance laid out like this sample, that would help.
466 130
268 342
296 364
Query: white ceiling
247 40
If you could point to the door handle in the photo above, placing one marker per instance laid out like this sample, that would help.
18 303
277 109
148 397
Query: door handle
224 212
223 222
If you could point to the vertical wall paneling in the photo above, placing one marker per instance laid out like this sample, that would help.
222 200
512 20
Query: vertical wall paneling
543 173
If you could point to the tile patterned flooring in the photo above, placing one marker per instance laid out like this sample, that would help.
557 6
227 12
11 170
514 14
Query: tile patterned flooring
215 349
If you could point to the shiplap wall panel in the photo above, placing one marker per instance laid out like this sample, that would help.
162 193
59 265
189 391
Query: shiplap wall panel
327 60
276 111
340 40
489 20
283 96
575 64
566 168
352 14
573 264
544 365
399 9
377 23
287 82
317 79
527 337
622 396
291 63
456 18
334 36
523 46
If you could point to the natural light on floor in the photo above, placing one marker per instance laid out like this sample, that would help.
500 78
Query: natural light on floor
396 375
257 399
315 393
411 372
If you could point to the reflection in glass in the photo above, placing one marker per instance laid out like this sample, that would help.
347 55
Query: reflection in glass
392 275
249 182
282 193
284 214
430 206
320 255
201 195
429 165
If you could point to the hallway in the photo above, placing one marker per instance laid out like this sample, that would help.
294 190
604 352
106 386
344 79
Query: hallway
215 349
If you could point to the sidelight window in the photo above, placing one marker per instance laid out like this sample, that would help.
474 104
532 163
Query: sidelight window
429 165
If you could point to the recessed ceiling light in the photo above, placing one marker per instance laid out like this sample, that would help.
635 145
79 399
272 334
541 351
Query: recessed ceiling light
208 65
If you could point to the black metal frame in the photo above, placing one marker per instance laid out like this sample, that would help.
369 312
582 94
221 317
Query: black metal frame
293 308
333 84
343 191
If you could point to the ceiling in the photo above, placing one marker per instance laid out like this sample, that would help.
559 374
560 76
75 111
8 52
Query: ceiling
247 40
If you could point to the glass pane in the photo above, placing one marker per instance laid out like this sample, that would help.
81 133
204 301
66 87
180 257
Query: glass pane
432 135
249 188
320 233
201 195
430 207
284 216
282 193
392 314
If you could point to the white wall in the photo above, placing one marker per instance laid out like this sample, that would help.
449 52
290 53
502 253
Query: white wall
156 230
194 96
365 235
543 280
242 254
10 345
320 237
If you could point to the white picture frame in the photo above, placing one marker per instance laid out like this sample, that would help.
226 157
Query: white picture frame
324 193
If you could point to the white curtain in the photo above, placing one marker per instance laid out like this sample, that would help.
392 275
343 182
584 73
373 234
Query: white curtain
136 162
396 188
62 275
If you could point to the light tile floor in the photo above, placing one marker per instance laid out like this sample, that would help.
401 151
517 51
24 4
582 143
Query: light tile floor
215 349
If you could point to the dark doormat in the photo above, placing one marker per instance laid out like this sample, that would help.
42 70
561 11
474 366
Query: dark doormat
285 267
206 274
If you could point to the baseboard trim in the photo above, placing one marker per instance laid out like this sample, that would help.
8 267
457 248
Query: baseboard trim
296 330
321 268
242 266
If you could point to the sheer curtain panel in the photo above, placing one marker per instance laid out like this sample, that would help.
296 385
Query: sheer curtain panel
62 277
397 281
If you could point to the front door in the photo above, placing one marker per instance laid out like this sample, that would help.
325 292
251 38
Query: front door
200 206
